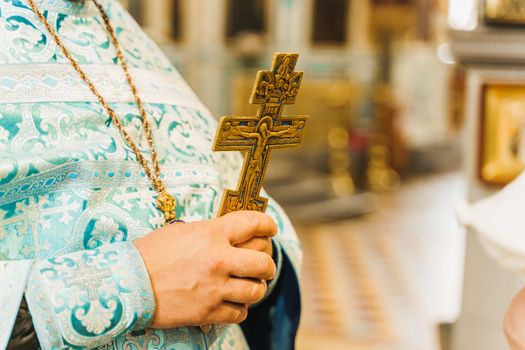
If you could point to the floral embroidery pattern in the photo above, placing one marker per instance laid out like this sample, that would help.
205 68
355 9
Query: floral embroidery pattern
106 231
98 318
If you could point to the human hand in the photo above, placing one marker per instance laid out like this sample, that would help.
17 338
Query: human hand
261 244
207 272
515 321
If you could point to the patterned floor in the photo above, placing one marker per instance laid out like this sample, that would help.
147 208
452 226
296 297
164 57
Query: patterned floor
363 278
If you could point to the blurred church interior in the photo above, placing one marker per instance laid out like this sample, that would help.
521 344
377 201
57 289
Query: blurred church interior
405 97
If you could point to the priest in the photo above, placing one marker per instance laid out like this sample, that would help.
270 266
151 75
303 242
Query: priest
108 193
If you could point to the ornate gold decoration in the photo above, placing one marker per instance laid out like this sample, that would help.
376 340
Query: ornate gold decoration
257 136
380 173
338 98
339 162
165 202
502 133
505 11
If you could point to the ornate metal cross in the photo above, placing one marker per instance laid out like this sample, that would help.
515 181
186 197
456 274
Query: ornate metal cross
257 136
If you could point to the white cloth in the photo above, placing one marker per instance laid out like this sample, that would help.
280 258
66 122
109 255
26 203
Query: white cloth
500 222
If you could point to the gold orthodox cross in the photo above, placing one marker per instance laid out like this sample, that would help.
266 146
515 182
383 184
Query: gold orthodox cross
257 136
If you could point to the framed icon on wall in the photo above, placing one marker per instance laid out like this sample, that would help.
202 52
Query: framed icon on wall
502 132
504 12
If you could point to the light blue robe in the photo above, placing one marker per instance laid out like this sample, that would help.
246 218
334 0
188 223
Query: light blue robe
72 195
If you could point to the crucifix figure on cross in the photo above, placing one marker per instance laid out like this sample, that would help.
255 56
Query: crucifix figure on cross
257 136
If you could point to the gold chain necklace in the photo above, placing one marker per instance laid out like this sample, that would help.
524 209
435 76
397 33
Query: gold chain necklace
165 201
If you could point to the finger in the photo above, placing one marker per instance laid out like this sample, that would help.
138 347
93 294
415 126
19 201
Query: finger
244 291
241 226
261 244
245 263
229 313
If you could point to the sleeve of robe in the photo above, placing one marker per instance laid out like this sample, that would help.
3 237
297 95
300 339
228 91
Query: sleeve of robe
68 312
272 325
57 286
